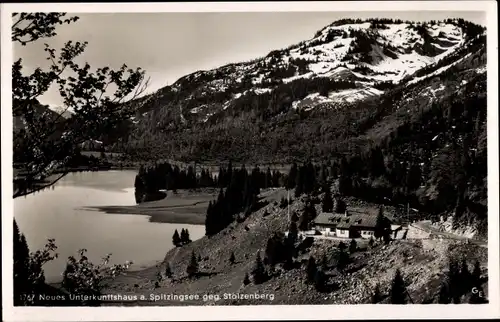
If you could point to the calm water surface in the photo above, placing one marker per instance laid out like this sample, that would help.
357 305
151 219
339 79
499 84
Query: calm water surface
57 213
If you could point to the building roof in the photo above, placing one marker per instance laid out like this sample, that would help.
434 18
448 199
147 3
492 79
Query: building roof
345 222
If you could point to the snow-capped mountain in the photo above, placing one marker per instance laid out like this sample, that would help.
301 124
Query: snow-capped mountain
345 63
370 56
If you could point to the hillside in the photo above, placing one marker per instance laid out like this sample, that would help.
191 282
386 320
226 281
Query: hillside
422 262
325 88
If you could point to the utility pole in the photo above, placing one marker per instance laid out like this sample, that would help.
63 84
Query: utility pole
408 211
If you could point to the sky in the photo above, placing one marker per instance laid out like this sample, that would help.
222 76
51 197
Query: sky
171 45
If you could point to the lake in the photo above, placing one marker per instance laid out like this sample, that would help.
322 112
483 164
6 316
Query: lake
58 213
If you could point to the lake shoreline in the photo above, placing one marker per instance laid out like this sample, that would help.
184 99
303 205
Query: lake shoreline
185 207
160 215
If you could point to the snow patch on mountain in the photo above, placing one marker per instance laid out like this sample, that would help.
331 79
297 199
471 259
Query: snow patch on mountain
353 95
438 71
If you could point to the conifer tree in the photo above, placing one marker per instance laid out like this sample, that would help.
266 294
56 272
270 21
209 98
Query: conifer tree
381 228
465 277
176 240
268 182
311 269
345 183
192 267
454 281
21 267
398 289
444 293
293 232
246 280
168 271
271 251
299 182
292 176
371 242
324 262
476 274
377 295
327 205
259 271
304 222
340 206
353 246
210 220
342 257
323 178
232 258
183 235
320 280
187 239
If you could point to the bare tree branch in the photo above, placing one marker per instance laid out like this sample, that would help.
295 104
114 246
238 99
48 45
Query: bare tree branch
25 192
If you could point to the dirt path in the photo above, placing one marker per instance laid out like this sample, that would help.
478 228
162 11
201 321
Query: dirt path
427 226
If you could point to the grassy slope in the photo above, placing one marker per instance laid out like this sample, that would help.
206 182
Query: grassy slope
422 265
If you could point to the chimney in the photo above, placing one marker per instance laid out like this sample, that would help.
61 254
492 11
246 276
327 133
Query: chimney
346 214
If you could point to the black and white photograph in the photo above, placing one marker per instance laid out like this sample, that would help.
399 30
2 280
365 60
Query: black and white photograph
252 156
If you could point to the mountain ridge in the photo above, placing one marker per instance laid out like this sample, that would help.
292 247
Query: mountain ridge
292 82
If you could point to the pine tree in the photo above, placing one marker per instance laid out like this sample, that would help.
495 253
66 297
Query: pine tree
327 205
353 246
413 178
176 240
345 183
377 295
304 222
323 178
398 289
187 239
246 280
320 280
454 281
342 257
209 220
311 269
292 177
183 236
324 262
476 274
168 271
293 232
381 224
465 277
192 267
268 179
299 182
232 258
371 242
340 206
21 267
271 251
259 271
444 294
377 166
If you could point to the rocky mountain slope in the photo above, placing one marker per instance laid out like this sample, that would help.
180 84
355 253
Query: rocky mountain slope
344 66
423 264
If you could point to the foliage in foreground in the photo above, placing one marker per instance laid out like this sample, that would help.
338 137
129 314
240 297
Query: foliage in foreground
81 276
